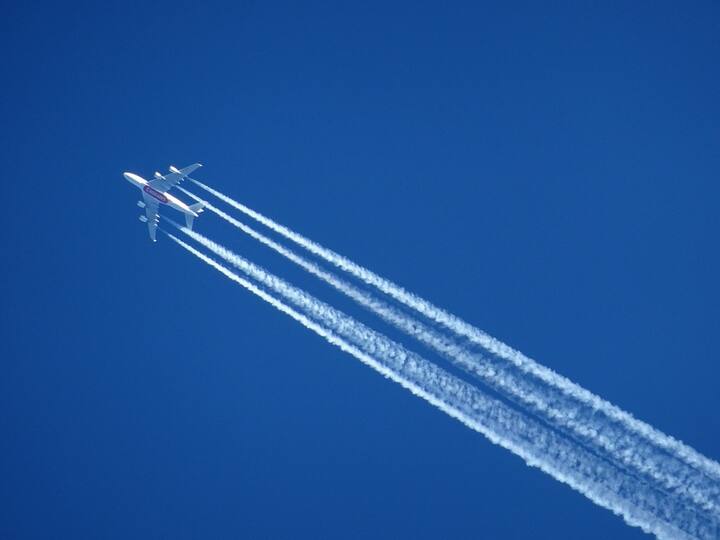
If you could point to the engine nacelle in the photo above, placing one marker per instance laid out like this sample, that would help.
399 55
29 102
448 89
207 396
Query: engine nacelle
158 175
143 219
141 204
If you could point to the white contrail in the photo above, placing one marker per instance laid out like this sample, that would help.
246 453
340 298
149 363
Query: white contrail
603 434
492 345
639 503
662 469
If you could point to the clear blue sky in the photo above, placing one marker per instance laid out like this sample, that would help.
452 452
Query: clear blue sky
549 173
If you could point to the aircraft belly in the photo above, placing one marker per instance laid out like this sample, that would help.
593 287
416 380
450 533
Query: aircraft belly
177 205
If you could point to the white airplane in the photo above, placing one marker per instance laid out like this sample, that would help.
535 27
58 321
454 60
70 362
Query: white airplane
155 192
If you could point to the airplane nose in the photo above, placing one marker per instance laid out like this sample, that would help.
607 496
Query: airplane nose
133 178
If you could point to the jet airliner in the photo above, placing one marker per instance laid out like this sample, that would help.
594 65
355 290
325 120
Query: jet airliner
155 193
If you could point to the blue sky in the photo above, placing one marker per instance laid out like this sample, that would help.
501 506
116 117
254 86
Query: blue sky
549 173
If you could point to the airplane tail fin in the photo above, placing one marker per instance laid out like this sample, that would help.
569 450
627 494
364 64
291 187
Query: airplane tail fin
197 208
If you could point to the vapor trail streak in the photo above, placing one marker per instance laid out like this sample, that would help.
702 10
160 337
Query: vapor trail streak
604 436
490 344
639 504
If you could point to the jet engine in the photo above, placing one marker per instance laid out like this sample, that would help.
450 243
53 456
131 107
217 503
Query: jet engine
143 219
158 175
141 204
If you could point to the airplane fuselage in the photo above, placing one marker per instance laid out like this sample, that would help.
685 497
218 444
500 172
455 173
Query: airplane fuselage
162 198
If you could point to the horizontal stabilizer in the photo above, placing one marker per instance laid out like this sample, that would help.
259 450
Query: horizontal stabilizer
197 208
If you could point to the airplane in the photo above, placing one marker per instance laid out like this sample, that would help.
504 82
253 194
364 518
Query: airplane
155 192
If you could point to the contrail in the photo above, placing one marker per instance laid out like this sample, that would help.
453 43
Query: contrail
379 344
492 345
640 504
603 434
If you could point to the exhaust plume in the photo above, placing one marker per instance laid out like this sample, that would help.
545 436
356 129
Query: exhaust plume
639 502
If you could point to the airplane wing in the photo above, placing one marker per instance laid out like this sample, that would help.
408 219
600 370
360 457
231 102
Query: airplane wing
173 178
151 211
